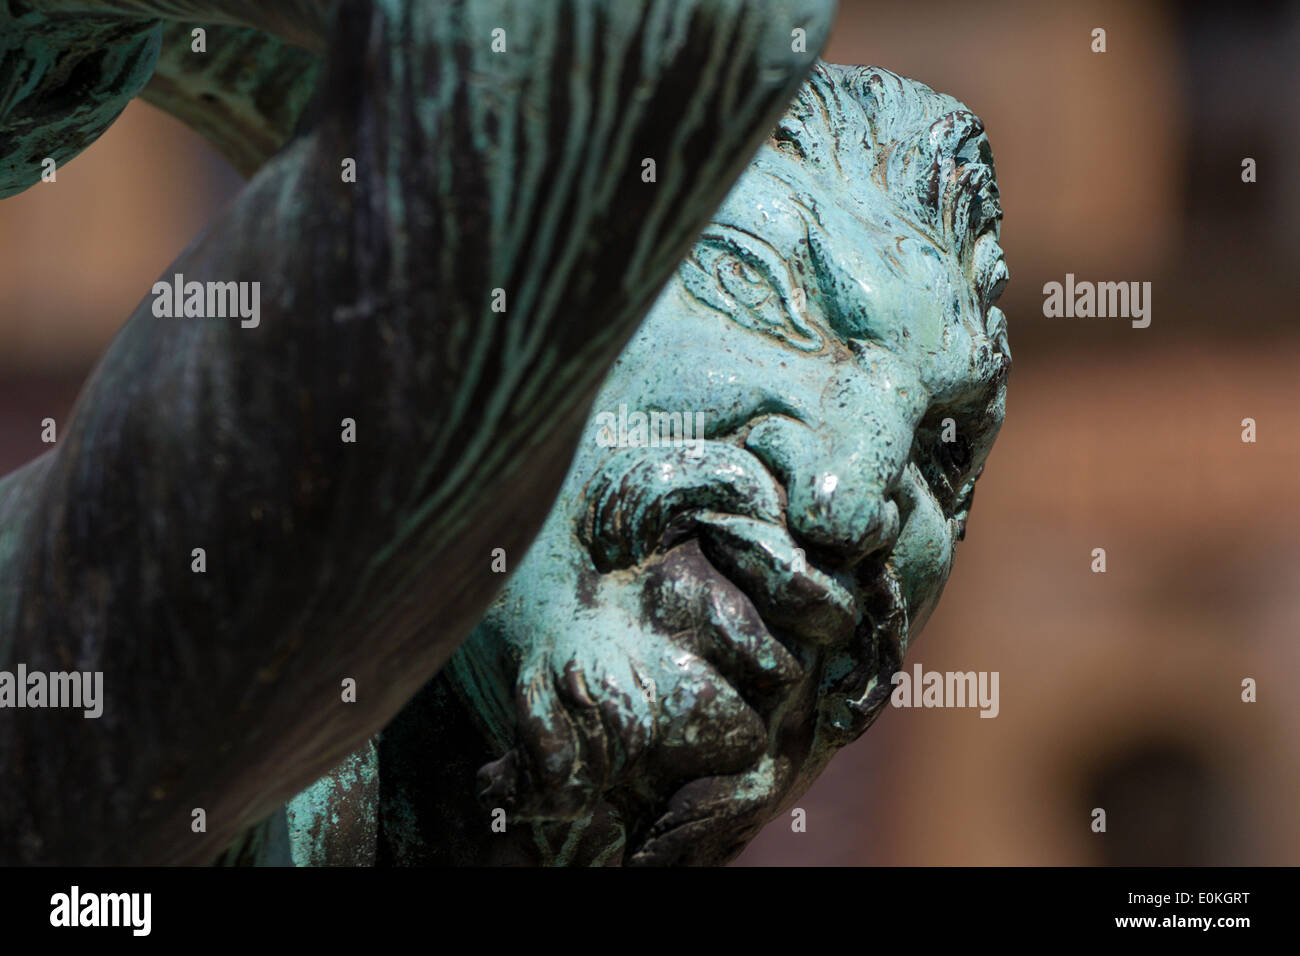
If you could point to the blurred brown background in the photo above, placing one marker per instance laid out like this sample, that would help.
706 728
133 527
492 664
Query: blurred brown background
1119 690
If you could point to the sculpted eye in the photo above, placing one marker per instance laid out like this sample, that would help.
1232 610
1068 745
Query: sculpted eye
743 283
745 279
955 457
948 466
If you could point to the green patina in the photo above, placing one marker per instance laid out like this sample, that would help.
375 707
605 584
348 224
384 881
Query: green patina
689 640
65 79
475 171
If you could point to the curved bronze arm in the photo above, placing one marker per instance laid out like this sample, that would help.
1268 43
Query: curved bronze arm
458 302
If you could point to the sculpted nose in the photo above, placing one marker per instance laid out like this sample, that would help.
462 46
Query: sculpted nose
842 517
842 490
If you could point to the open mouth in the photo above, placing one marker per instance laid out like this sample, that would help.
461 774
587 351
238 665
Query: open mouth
854 623
720 519
847 631
847 627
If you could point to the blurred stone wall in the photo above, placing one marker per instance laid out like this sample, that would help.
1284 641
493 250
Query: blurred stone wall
1120 690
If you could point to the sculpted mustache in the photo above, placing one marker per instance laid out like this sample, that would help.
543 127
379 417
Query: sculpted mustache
647 500
640 497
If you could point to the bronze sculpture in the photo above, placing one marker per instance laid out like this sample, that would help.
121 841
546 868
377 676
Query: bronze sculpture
326 562
524 179
701 624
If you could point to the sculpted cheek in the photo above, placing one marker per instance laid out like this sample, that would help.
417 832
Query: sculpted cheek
924 551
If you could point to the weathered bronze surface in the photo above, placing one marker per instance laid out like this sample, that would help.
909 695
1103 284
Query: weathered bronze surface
703 621
512 177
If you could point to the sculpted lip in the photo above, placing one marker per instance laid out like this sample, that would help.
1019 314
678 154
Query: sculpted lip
855 621
761 559
850 625
858 618
861 626
731 503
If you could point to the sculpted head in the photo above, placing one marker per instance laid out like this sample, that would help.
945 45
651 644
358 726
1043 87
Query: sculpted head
706 617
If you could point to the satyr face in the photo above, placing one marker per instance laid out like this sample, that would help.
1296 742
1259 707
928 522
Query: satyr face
761 515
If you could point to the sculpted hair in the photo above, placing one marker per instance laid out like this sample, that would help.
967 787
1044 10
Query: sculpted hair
928 152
